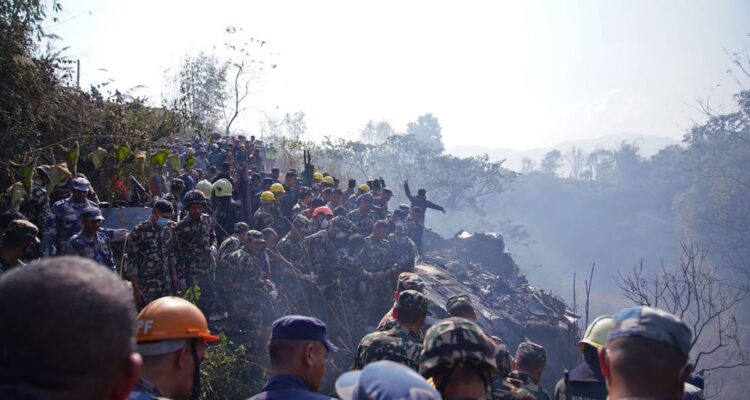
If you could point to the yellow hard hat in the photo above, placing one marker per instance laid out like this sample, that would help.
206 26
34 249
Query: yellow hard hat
597 333
318 176
222 188
364 187
328 179
267 196
277 188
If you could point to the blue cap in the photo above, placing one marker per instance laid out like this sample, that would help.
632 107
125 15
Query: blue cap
384 380
92 214
300 327
81 184
654 324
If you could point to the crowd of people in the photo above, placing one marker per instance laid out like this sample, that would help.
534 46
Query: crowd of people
266 260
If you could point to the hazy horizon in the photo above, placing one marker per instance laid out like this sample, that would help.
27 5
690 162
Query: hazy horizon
509 75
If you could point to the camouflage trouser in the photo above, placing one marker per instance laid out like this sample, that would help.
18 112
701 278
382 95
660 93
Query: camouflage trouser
152 289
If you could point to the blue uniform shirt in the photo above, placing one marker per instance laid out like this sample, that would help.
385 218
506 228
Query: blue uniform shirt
289 387
63 222
96 248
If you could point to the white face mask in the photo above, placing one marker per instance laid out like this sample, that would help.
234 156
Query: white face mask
324 224
340 235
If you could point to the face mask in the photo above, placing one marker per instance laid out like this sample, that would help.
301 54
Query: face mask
162 222
324 224
340 235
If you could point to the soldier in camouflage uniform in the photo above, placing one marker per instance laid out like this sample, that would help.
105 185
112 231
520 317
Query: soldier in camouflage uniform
151 262
323 246
234 242
403 251
402 343
280 224
381 204
36 207
363 217
503 360
64 218
195 247
456 350
406 281
91 242
176 188
263 217
523 381
305 198
294 287
226 210
247 293
376 260
222 277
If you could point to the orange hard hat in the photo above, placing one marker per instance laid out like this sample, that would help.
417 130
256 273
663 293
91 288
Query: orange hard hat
322 210
170 318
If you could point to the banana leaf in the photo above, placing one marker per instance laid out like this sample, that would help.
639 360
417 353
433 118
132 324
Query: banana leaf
189 162
57 174
174 161
158 158
72 158
123 152
25 172
97 157
16 193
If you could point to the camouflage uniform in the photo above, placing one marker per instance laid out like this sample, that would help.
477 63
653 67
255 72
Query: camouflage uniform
176 204
151 256
64 221
363 222
298 208
262 219
403 251
36 209
406 281
519 385
294 287
246 296
396 344
280 223
416 231
193 239
97 249
455 342
375 258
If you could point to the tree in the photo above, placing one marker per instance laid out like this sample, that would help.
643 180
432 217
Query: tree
294 124
600 164
376 132
199 91
576 161
527 166
427 129
551 162
694 292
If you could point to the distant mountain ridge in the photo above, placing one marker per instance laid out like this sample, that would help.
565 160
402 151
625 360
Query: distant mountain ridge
648 145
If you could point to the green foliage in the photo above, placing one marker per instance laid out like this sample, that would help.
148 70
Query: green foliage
192 294
224 372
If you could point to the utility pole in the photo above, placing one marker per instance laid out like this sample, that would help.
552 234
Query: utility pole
78 73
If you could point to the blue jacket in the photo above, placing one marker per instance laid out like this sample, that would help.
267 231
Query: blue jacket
289 387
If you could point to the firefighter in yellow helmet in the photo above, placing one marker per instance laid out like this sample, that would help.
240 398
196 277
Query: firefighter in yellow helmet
171 337
586 380
263 218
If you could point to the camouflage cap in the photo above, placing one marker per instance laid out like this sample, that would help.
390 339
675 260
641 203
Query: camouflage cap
342 224
81 184
409 281
412 301
457 301
531 351
91 214
20 230
654 324
502 357
255 236
177 183
402 229
241 227
455 342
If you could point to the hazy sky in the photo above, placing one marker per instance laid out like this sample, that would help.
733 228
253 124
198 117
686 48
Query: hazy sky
501 74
